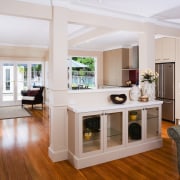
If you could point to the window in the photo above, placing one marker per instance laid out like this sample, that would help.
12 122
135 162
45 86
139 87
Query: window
17 76
7 79
82 73
36 75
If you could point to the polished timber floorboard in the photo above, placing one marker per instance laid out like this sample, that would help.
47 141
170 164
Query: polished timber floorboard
24 156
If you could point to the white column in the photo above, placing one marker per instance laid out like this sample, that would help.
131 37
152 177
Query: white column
177 81
58 85
147 48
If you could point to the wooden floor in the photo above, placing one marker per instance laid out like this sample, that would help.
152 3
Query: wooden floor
24 156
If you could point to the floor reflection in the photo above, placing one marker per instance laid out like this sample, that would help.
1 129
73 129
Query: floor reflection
17 132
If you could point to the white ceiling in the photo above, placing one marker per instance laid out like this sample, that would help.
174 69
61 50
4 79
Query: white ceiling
30 32
23 32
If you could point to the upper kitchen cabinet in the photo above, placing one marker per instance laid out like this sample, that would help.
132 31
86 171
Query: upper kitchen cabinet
130 68
133 60
165 49
121 65
112 66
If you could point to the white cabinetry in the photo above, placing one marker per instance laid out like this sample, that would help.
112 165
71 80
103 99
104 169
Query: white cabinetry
95 131
158 49
165 49
145 126
99 136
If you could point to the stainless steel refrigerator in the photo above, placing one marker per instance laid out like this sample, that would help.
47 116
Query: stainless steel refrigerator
165 89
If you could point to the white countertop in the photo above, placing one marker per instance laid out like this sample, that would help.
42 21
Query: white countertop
99 90
129 104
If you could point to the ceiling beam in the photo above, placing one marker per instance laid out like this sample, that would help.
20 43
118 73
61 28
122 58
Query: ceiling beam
88 36
24 9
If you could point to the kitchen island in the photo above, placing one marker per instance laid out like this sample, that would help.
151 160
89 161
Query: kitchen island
97 134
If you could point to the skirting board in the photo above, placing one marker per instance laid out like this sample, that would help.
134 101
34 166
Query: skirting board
56 156
106 156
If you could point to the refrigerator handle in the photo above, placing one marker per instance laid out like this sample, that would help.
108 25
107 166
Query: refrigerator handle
157 68
167 102
162 81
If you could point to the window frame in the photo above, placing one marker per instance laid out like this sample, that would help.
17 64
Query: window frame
69 69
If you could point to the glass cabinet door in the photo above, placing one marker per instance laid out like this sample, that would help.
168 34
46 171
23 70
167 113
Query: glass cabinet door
114 129
91 133
152 124
134 125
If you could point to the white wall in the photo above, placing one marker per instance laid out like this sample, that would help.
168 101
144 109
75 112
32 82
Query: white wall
18 53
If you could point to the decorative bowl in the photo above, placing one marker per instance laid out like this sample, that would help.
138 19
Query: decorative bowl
118 98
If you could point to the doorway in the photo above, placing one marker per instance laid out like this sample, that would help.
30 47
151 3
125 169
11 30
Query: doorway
17 76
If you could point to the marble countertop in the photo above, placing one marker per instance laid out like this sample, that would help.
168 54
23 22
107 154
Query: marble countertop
99 90
129 104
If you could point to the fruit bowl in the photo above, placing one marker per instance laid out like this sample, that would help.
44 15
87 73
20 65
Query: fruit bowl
118 98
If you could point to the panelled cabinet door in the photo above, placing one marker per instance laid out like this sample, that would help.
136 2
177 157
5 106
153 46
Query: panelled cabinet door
114 129
90 133
165 49
153 122
100 131
112 64
144 124
169 49
158 49
135 125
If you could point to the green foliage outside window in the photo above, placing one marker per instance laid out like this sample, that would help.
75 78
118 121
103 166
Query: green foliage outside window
84 75
89 61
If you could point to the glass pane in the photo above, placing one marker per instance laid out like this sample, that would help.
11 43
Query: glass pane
8 82
135 124
82 73
36 75
91 133
152 122
22 83
114 129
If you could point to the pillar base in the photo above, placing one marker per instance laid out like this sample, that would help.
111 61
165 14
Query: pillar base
56 156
